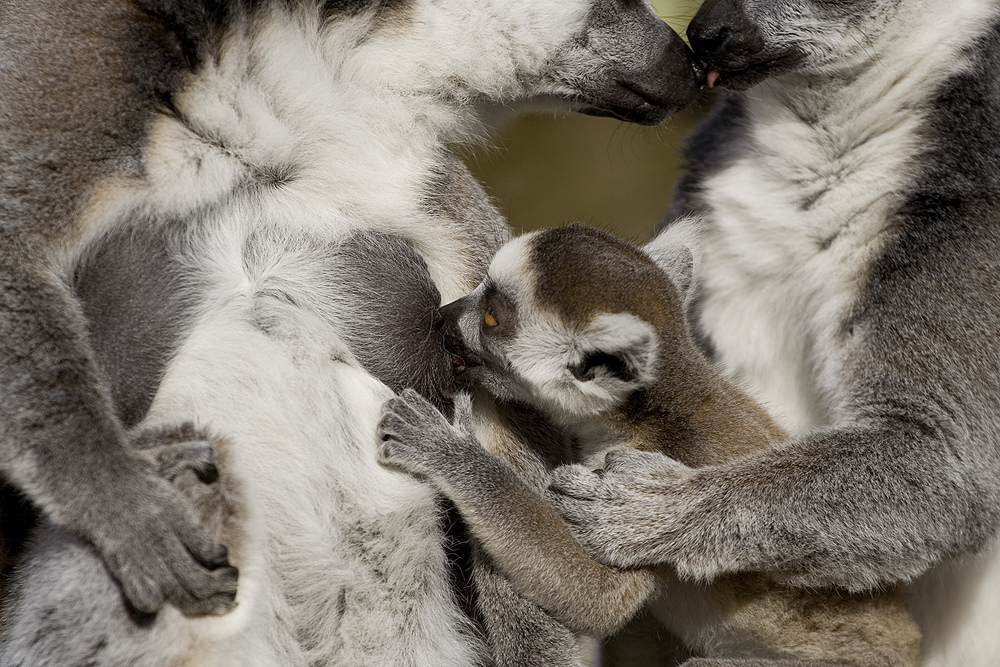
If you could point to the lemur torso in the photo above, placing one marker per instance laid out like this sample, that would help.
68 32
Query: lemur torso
849 236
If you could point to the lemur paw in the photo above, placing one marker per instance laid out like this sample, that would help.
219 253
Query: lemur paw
150 539
417 438
178 449
624 513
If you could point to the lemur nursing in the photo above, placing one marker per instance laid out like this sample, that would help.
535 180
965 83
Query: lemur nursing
591 331
277 211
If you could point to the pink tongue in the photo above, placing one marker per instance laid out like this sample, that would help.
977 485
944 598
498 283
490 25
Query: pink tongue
713 76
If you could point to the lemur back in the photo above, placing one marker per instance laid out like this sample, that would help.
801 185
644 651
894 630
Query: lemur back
590 330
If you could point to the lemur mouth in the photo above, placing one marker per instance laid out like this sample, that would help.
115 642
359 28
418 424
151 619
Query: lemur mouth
740 77
458 364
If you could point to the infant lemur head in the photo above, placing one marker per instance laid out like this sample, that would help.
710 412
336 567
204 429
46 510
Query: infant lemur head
573 320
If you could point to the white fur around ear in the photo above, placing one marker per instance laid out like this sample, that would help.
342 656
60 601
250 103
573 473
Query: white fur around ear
616 353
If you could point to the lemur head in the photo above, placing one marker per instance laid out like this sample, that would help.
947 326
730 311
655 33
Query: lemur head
602 57
746 41
572 320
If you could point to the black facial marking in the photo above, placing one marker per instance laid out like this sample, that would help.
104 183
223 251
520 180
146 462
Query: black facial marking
598 361
501 308
726 37
138 300
651 72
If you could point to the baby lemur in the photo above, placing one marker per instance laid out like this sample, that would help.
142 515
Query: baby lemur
589 330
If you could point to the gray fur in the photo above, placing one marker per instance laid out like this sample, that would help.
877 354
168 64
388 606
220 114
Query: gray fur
71 115
87 620
138 298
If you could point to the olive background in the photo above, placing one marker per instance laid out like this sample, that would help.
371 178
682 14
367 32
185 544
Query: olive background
544 170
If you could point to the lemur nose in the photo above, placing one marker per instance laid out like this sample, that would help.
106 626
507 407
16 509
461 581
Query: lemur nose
708 38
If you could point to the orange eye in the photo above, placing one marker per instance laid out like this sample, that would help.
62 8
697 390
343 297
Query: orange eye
490 320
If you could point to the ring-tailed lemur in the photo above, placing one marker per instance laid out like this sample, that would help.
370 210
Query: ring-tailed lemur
589 330
285 213
849 215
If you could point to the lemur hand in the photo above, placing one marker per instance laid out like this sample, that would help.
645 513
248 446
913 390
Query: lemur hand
417 438
151 542
630 513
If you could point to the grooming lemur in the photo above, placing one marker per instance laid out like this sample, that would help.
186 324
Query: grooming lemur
589 330
848 210
288 213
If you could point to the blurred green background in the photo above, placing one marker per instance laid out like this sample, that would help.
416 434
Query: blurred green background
545 170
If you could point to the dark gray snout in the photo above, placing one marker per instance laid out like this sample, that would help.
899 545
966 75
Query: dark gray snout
650 72
735 47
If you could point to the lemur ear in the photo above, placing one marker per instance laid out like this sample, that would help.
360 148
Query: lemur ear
677 250
618 348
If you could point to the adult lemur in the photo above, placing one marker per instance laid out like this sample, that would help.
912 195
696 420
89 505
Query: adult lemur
589 330
281 214
849 215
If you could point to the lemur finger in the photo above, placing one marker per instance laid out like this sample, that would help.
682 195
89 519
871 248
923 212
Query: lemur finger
464 420
404 411
204 549
391 424
630 460
197 593
425 411
575 481
199 457
391 451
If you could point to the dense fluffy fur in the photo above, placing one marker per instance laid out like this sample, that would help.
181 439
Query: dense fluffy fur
847 212
262 163
588 329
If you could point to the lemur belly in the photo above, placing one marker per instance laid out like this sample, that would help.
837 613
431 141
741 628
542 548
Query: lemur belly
346 564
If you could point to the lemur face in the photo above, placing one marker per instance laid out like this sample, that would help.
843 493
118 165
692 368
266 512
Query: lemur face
601 57
746 41
570 320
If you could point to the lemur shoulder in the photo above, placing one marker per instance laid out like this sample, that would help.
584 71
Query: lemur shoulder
591 331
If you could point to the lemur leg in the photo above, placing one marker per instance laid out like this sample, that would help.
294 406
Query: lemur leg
61 445
65 608
524 535
520 633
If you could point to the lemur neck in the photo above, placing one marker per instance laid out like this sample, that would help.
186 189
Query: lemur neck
889 84
698 417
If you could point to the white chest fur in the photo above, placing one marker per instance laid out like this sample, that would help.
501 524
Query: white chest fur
796 220
793 228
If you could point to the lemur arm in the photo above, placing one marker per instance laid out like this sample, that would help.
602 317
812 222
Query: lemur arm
841 507
524 535
908 476
61 445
